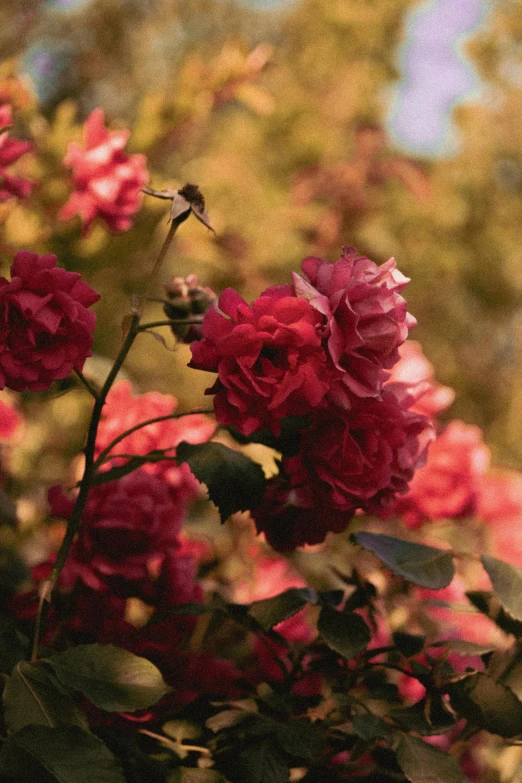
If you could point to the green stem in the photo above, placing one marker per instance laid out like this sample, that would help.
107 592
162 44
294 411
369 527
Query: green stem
86 481
101 457
161 256
170 322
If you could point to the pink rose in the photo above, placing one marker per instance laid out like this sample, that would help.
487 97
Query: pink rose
124 410
46 330
448 484
366 318
107 181
414 376
268 357
10 420
10 151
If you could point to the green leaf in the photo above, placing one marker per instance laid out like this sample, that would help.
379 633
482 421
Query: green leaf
423 565
111 678
258 762
487 703
67 754
408 643
422 763
489 604
272 611
300 739
370 727
33 696
464 647
426 717
507 584
344 632
234 481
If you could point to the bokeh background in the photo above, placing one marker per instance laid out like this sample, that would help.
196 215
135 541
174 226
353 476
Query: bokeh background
391 125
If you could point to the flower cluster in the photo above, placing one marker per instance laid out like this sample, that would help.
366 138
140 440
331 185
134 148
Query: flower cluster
321 349
10 151
46 330
107 180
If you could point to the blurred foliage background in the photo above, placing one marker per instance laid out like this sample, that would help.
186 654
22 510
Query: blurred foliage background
278 115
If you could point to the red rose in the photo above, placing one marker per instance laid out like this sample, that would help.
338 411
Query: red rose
10 151
10 420
349 459
366 318
127 526
448 484
46 330
124 410
268 357
107 181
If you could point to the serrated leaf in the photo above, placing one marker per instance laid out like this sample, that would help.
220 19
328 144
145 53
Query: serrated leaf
422 763
33 696
487 703
234 481
507 584
271 611
300 739
423 565
344 632
111 678
67 754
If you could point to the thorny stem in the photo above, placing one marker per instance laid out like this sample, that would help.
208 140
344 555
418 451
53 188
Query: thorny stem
108 449
86 481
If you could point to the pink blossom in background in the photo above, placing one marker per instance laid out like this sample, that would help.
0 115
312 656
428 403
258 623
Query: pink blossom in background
10 151
449 483
366 318
46 330
107 180
414 375
10 420
124 410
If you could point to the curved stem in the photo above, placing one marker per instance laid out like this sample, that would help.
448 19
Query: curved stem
101 457
88 385
86 481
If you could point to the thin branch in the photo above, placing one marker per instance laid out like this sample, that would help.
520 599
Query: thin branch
88 385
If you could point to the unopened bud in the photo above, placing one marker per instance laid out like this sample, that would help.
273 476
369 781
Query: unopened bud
187 300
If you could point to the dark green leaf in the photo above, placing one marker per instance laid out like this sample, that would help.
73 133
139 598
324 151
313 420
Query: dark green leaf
489 604
422 763
487 703
344 632
423 565
288 442
67 754
370 727
408 643
507 584
414 718
259 762
272 611
234 481
33 696
111 678
13 645
300 739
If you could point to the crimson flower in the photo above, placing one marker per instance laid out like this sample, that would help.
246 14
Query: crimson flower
268 357
46 330
107 181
